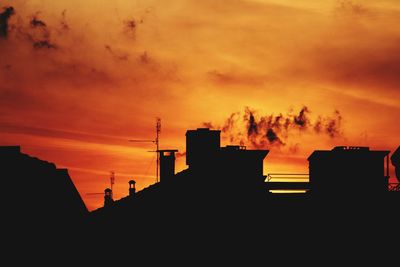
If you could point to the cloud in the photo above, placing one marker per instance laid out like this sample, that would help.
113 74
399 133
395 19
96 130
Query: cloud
130 27
235 78
273 137
359 64
144 58
329 125
38 33
4 17
271 130
230 122
57 69
346 7
43 44
68 54
62 134
117 55
63 22
208 125
355 50
37 23
302 120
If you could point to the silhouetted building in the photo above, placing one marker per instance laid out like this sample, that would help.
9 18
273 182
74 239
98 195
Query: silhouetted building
201 146
349 171
45 193
215 175
395 159
240 167
167 163
233 168
224 189
215 202
132 187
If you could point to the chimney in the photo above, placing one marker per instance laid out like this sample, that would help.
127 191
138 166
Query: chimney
132 188
201 146
108 200
167 163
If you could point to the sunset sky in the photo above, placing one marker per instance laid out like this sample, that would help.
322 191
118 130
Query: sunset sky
80 78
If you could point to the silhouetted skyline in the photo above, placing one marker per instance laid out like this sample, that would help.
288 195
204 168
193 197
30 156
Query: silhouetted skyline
297 76
223 189
232 172
273 123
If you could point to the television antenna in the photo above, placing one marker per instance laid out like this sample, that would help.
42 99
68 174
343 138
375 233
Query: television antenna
112 182
156 141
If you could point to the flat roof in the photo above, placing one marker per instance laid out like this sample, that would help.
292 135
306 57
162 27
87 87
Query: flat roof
348 150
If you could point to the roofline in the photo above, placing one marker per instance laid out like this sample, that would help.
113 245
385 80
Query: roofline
202 130
384 152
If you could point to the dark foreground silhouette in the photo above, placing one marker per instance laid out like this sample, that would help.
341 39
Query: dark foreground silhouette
220 202
396 162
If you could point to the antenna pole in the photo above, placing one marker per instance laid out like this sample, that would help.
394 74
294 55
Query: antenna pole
158 131
112 181
156 142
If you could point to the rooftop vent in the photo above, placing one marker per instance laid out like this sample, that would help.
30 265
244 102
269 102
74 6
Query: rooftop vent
351 148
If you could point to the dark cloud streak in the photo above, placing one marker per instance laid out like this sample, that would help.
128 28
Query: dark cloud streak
35 22
4 17
117 55
63 23
301 120
208 125
38 34
130 27
232 78
43 44
346 7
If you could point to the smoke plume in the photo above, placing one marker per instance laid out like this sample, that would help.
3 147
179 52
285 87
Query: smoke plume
265 131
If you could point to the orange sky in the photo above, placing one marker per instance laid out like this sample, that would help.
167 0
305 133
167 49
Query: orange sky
74 89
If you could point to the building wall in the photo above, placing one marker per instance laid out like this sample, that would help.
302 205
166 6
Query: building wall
201 146
348 172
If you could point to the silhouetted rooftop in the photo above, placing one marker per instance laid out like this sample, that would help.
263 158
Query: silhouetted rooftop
341 150
48 190
395 158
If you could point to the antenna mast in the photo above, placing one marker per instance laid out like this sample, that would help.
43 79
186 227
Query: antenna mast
112 181
156 141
